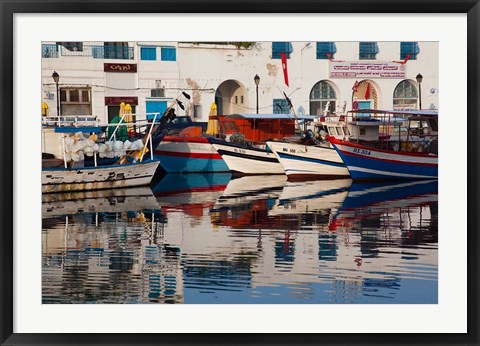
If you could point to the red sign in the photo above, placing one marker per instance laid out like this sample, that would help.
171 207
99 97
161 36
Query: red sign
116 100
120 67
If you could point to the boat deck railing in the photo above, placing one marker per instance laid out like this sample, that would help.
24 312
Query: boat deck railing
143 127
70 120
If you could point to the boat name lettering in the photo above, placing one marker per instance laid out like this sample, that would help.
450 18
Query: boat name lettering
361 151
239 150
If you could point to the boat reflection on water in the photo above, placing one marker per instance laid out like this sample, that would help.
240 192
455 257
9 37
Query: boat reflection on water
389 204
192 193
98 201
255 239
97 247
311 196
246 201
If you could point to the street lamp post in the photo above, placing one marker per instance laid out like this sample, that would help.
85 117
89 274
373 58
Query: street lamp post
419 81
56 78
257 81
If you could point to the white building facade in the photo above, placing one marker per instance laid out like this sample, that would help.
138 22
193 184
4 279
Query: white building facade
95 77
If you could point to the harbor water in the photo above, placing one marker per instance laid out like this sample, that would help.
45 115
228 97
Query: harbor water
212 239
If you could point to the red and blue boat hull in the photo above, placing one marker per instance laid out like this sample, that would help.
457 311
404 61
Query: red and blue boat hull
366 163
189 155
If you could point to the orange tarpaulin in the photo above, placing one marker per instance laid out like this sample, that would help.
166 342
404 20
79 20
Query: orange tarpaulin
191 131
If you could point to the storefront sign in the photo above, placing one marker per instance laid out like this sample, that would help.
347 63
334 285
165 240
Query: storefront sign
116 100
405 107
120 67
367 69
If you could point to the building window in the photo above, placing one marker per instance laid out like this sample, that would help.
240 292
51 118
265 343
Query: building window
281 47
148 53
157 92
63 95
197 111
409 48
73 95
169 54
86 95
322 95
405 96
368 50
326 50
280 106
75 101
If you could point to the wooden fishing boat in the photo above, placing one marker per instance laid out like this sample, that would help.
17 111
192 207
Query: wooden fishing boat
248 154
189 152
412 157
71 143
315 157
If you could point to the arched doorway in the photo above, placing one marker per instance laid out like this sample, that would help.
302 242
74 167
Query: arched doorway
405 96
322 94
231 98
366 94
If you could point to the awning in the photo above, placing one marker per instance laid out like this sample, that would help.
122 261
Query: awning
72 129
431 113
272 116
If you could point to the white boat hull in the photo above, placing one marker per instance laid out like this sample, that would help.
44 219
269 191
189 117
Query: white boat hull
96 178
248 161
305 162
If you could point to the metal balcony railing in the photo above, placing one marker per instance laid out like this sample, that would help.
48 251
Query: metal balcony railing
49 51
97 52
112 52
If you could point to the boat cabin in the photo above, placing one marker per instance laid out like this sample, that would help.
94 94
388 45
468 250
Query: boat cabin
423 125
262 127
334 126
373 125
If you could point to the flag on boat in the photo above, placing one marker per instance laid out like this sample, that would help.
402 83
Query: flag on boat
284 67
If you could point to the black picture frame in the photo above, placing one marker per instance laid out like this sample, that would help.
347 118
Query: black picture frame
7 175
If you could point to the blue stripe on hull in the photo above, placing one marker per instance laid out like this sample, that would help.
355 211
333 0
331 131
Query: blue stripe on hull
174 164
310 159
386 169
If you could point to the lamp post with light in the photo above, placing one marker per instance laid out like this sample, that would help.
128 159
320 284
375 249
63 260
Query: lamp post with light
419 81
56 78
257 82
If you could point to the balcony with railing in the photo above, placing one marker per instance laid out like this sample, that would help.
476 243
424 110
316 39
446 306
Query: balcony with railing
96 52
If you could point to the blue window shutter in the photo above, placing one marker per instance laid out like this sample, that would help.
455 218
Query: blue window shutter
281 47
155 107
368 50
326 47
97 52
169 54
148 53
411 48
